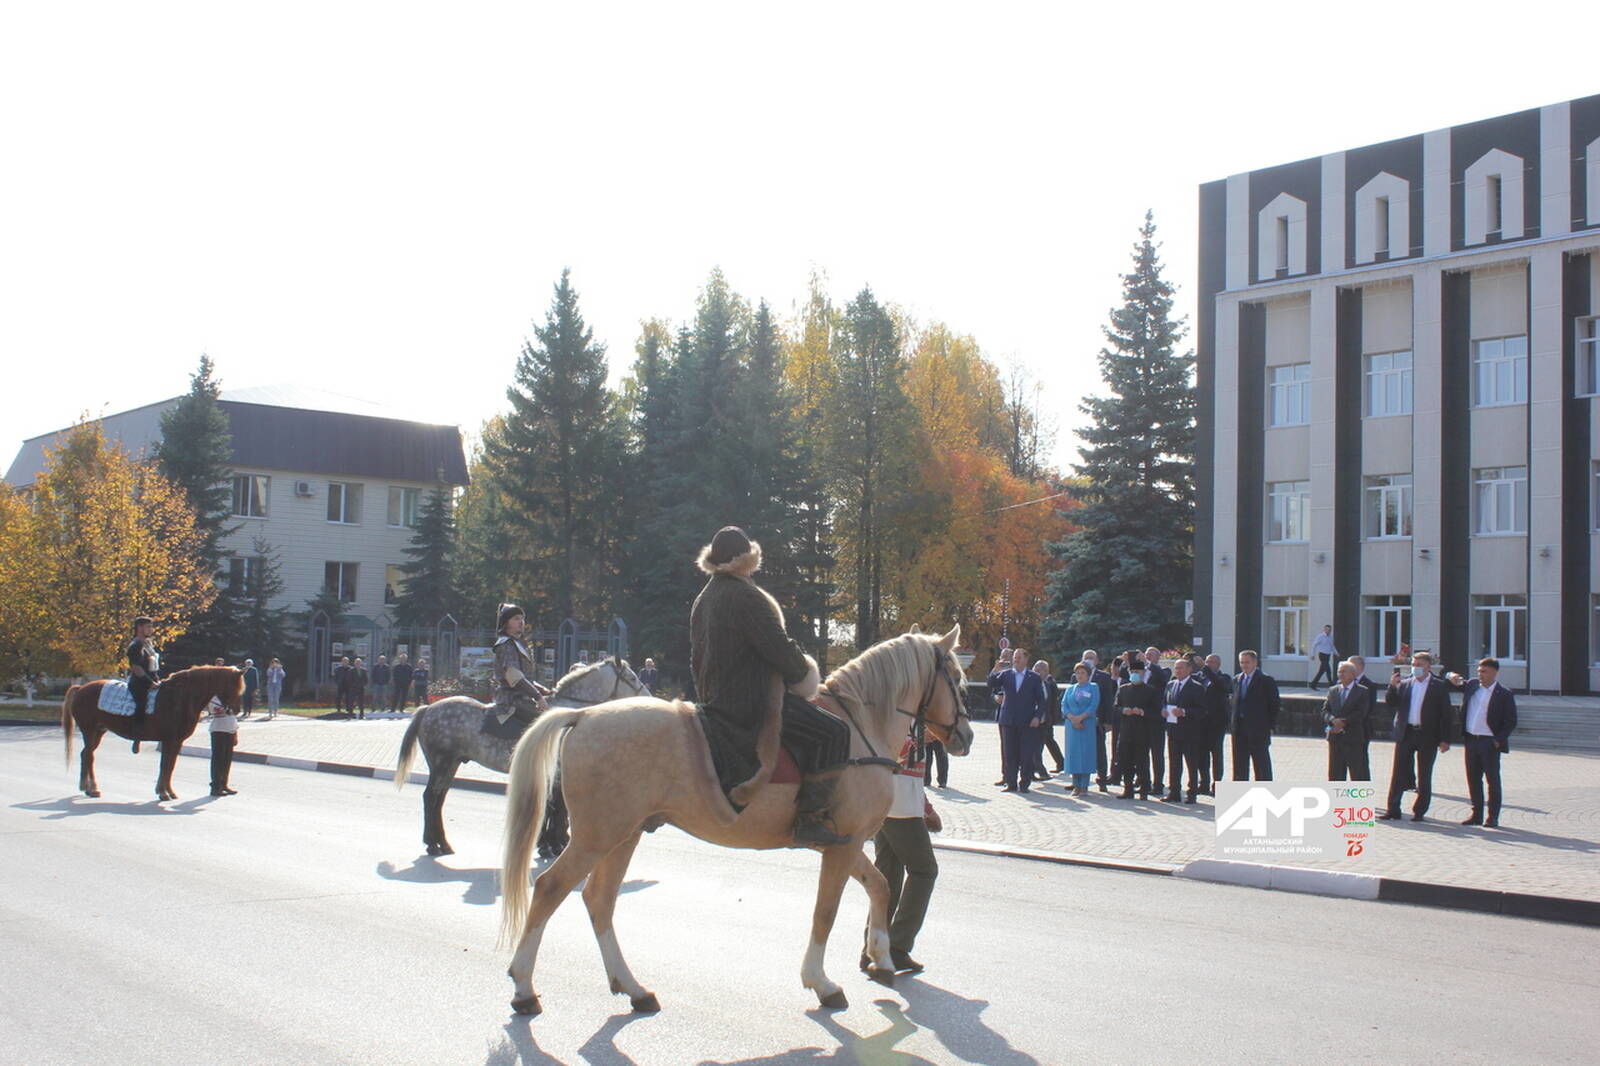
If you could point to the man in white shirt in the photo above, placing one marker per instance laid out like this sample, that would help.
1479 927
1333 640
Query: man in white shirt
905 858
1325 655
1489 714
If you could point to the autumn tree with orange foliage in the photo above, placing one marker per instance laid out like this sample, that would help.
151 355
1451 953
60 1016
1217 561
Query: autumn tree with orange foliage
976 524
107 539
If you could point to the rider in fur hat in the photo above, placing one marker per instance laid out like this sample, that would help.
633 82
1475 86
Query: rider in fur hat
743 662
514 692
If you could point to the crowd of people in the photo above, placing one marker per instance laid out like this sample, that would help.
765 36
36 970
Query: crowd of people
390 687
1150 729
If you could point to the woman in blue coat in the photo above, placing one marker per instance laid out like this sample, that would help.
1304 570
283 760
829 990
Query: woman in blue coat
1080 704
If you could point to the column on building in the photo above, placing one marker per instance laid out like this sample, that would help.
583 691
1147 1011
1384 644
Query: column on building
1285 485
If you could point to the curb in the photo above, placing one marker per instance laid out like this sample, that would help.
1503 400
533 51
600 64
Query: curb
1393 890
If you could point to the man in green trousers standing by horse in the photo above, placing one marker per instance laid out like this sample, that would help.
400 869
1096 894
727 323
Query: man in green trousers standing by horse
744 661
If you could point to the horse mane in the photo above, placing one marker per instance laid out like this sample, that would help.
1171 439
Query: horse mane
193 688
580 671
883 671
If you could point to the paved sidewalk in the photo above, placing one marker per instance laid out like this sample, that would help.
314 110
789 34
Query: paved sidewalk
1550 843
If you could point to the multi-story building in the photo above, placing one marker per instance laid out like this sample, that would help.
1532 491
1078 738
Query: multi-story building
1399 367
329 484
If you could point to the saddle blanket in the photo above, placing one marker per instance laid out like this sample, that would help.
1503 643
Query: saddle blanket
116 699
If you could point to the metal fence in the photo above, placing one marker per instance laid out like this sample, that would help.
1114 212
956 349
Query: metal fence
450 648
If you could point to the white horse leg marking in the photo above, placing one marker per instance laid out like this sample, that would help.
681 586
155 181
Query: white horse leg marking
617 967
812 975
522 962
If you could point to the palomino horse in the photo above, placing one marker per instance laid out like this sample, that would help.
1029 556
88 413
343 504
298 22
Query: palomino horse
636 764
175 708
451 734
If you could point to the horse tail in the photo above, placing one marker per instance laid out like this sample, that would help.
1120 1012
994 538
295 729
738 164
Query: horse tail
66 720
532 776
408 749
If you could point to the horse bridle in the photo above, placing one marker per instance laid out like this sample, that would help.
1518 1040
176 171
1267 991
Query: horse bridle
920 723
616 687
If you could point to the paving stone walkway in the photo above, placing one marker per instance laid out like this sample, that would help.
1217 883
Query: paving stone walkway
1549 843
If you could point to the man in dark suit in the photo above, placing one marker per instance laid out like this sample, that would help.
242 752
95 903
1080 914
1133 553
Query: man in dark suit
1345 713
1186 702
1136 704
1488 715
997 692
343 676
1219 708
1255 716
1422 728
1021 714
1105 764
1157 679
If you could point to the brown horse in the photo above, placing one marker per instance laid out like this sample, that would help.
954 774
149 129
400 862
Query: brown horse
175 708
634 764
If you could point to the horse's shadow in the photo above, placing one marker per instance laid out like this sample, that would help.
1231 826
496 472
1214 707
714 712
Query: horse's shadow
75 806
483 884
519 1048
954 1020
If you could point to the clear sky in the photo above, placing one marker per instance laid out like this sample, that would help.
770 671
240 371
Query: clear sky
377 198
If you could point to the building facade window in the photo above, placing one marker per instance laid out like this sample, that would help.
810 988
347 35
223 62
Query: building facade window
250 495
1500 499
244 571
340 579
394 583
1286 635
1588 353
1289 511
403 506
1389 384
1386 625
1291 394
1388 506
1500 628
1500 371
344 502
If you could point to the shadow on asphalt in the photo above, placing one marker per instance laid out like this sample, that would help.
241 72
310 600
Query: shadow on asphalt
75 806
483 883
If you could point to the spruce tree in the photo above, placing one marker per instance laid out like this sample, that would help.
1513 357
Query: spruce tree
196 453
559 460
262 630
430 589
1124 573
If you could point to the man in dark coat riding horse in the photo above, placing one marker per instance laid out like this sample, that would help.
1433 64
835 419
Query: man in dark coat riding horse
515 694
144 672
743 661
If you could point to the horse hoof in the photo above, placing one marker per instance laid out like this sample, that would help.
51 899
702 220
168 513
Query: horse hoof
433 849
645 1004
444 849
835 1000
527 1006
92 793
884 977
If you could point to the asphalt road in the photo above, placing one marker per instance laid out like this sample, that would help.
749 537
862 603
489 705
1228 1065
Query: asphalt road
298 923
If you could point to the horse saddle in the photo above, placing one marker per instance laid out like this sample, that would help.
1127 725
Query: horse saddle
116 699
522 715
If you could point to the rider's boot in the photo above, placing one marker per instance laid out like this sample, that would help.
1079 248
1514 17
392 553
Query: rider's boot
813 825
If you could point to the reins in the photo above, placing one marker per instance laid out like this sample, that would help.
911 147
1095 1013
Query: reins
920 721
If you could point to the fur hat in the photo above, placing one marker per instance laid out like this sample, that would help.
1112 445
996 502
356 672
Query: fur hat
508 611
731 551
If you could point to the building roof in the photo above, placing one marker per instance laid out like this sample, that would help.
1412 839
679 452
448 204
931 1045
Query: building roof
293 428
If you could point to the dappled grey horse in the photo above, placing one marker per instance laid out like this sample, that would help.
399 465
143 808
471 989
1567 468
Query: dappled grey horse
451 734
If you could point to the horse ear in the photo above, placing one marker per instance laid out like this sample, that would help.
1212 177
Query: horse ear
949 641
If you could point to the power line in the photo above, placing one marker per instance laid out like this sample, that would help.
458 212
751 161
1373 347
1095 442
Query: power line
1025 503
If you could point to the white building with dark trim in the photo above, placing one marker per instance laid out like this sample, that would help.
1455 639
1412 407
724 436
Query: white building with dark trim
332 484
1399 366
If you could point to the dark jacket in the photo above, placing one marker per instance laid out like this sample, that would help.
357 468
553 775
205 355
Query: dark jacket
1190 696
401 674
742 659
380 674
1052 701
1136 695
358 678
1024 698
343 677
252 680
1219 700
1255 708
419 680
1355 709
1502 716
1108 696
1436 727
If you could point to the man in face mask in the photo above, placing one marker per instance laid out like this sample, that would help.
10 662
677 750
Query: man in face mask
1422 724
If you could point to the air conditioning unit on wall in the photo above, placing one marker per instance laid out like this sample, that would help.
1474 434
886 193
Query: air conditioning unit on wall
302 488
